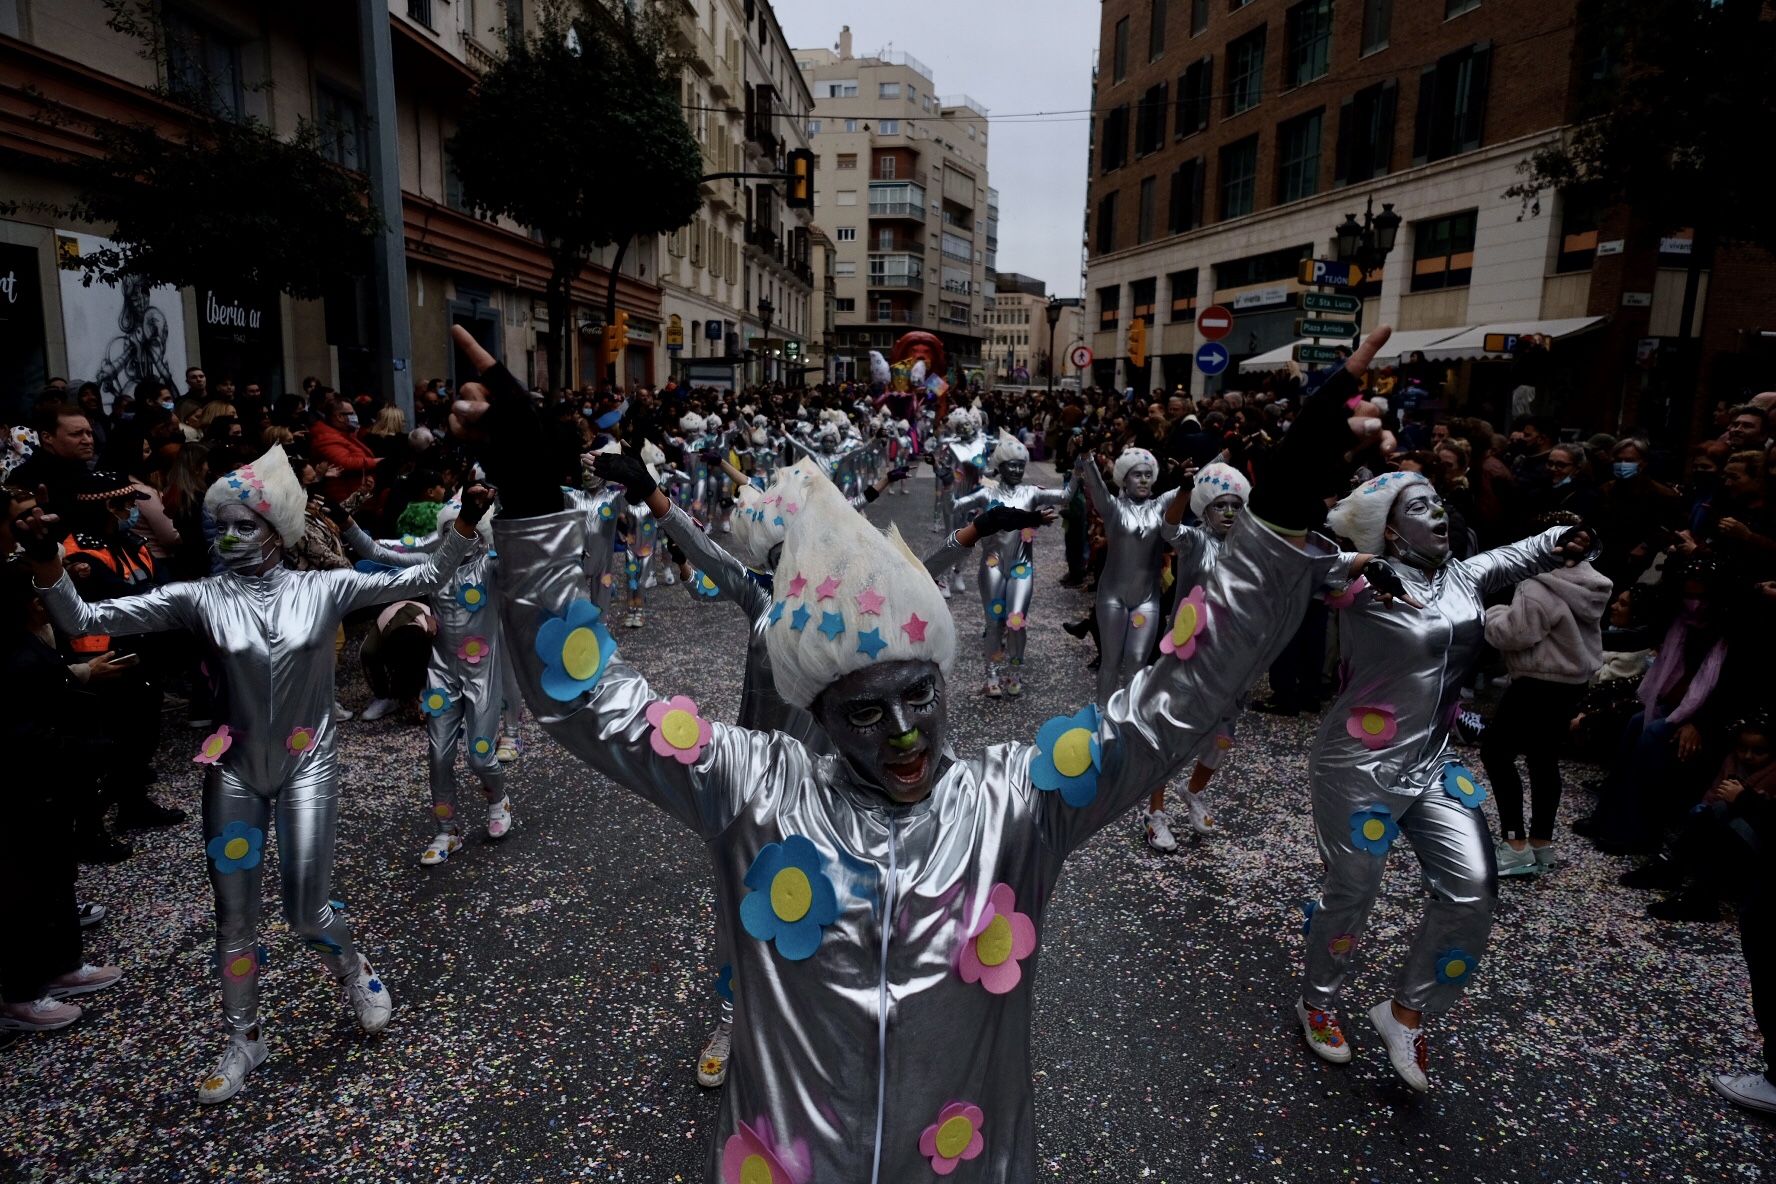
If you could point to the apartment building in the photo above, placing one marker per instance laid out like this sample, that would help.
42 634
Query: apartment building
901 186
1018 336
1231 138
746 259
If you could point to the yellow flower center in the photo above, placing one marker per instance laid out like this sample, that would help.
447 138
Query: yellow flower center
1184 627
236 848
471 596
580 654
954 1136
1073 753
1374 723
791 894
1464 787
754 1170
1139 620
1456 968
1374 829
213 746
680 729
993 946
241 966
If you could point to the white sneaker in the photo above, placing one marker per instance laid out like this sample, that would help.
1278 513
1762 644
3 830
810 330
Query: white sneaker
1159 832
727 528
442 847
339 711
712 1062
1406 1046
377 708
90 913
506 751
240 1058
369 999
1512 862
943 586
499 818
197 725
1545 855
1750 1090
992 689
1013 686
39 1015
1324 1035
1200 821
85 981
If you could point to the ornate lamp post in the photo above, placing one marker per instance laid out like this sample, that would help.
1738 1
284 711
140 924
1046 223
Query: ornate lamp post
1367 244
1052 310
766 308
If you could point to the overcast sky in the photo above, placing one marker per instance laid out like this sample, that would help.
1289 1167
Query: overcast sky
1017 57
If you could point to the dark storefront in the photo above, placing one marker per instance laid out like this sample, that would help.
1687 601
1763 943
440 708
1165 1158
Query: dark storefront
24 359
240 335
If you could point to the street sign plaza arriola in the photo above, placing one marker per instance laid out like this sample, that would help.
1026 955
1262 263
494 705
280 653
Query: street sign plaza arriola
1317 328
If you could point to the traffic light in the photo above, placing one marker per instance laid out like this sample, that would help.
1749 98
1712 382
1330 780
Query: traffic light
606 355
801 180
620 334
1137 343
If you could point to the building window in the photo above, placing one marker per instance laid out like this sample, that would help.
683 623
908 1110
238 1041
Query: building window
1106 236
1443 252
1199 16
1457 7
1268 268
1194 97
1142 295
1145 231
1181 285
1365 134
202 64
342 128
841 90
846 160
1245 71
847 234
1113 152
1452 104
1119 61
1298 156
1109 306
844 270
1578 235
912 94
1156 30
889 127
1378 16
886 166
421 11
888 90
1150 120
813 127
1186 208
1239 177
1308 29
846 197
845 303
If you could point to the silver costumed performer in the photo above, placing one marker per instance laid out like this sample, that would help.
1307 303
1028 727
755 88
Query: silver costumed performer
1128 588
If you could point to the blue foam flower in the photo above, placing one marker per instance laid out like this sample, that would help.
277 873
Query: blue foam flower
1020 571
434 701
703 586
575 649
1460 783
237 848
1308 909
472 596
724 982
997 609
1373 829
790 900
1067 757
1454 966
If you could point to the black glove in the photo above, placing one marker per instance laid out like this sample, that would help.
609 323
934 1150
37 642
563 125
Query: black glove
475 502
1381 576
1582 535
1308 465
898 473
1000 519
512 430
627 470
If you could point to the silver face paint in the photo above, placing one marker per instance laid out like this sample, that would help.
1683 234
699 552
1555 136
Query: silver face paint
888 723
1418 528
1011 472
1137 485
245 543
1220 514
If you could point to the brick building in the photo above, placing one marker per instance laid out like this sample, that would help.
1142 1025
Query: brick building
1232 136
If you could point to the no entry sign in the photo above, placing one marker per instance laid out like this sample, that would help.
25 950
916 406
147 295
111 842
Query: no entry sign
1214 322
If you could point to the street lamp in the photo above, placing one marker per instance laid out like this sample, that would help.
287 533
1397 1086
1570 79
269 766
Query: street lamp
1052 310
1367 244
766 308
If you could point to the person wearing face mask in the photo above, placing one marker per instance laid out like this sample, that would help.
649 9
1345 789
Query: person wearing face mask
1382 765
336 449
270 632
887 899
1007 573
464 684
1638 516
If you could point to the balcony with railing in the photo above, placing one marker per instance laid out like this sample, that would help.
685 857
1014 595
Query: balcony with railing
972 104
895 271
892 316
896 199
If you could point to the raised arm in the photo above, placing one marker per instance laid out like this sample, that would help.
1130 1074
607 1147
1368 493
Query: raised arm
354 590
365 547
1096 489
712 559
168 607
1507 566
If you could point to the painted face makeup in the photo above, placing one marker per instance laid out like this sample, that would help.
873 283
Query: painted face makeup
246 544
1219 515
1418 529
1011 472
1137 485
889 723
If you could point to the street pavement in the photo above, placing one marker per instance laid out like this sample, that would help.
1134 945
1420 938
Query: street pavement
552 991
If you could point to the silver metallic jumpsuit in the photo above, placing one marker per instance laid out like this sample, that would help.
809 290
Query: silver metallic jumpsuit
1382 766
1007 566
1197 550
879 1035
465 677
1128 588
272 636
603 510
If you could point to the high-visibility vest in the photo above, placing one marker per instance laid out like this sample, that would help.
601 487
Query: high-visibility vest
132 570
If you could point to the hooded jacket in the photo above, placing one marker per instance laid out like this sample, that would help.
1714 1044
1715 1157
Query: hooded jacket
1552 629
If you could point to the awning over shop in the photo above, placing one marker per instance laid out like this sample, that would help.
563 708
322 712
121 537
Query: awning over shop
1402 343
1472 342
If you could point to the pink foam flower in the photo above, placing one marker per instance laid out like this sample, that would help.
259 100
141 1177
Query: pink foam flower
474 650
299 741
1347 597
679 732
752 1153
1374 726
954 1137
214 745
1188 626
998 941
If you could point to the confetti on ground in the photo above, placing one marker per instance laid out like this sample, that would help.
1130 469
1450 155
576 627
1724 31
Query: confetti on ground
552 991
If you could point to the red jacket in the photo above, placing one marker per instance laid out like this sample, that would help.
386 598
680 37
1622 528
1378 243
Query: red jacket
327 445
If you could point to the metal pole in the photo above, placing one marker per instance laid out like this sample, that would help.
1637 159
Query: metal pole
394 333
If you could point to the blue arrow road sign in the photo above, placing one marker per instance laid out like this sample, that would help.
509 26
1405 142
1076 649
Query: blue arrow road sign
1212 358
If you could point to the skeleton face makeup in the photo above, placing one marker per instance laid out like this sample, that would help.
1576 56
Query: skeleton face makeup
1220 514
1418 528
246 544
1137 485
888 723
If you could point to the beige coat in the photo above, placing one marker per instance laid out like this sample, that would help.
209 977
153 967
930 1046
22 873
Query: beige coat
1552 629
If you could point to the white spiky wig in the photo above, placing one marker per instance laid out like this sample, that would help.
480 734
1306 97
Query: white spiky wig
268 487
1362 516
1009 448
690 421
878 368
450 510
958 418
1130 460
652 457
1217 480
713 423
860 597
761 519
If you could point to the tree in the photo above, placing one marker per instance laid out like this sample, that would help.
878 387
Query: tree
220 199
578 134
